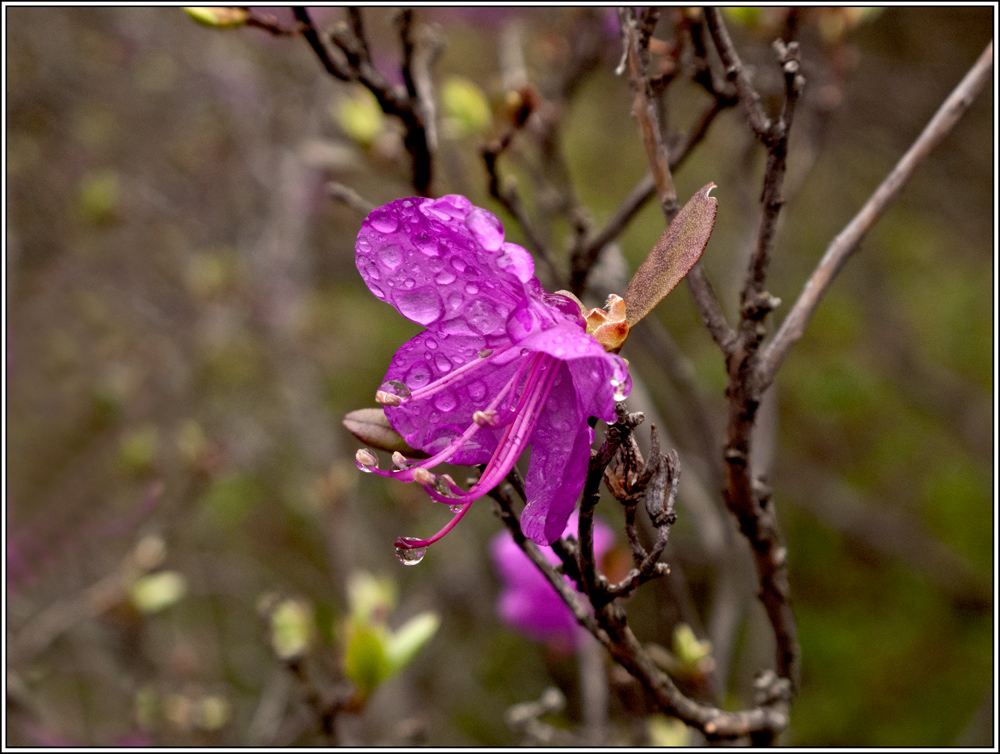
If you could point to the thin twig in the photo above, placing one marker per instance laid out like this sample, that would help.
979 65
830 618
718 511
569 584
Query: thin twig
737 74
847 241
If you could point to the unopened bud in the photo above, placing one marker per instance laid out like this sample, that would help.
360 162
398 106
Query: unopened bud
384 398
366 458
218 18
487 418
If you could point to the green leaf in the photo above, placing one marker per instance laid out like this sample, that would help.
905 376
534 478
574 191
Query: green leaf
157 591
365 661
371 599
410 639
673 256
291 628
464 107
371 427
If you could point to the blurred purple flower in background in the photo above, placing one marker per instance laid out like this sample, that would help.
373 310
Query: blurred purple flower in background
528 602
502 365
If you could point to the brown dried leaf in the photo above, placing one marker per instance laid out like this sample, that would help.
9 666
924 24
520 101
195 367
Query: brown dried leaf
673 256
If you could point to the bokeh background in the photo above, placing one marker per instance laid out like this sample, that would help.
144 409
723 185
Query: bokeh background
185 329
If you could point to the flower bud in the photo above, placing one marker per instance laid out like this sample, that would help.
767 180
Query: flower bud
218 17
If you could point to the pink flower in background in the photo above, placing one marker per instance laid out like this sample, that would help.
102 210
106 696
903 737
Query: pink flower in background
502 364
528 602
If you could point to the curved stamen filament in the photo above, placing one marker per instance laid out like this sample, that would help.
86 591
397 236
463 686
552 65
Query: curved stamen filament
438 385
533 397
406 475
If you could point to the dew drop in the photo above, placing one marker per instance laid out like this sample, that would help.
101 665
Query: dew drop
390 256
483 317
455 508
369 270
443 363
486 228
422 305
410 557
471 288
522 323
459 264
427 245
444 277
363 246
409 283
430 344
477 390
445 401
419 375
376 290
384 220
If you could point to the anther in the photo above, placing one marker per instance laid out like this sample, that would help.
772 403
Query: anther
423 477
487 418
384 398
399 461
366 458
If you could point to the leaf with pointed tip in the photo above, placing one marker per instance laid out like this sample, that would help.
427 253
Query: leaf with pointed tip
373 429
673 256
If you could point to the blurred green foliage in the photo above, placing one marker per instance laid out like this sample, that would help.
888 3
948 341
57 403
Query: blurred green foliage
182 305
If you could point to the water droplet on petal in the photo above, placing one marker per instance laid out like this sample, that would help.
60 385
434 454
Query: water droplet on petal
430 344
410 557
459 264
419 375
376 290
477 390
390 256
422 305
442 362
445 401
486 228
455 508
471 288
444 277
427 245
409 283
522 323
384 220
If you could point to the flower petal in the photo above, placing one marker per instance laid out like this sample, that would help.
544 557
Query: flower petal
598 376
560 455
442 263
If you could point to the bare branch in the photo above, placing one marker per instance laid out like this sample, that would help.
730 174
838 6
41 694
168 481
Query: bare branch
847 241
735 72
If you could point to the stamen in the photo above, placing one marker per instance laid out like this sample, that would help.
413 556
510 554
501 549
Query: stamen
366 460
486 418
438 385
384 398
408 543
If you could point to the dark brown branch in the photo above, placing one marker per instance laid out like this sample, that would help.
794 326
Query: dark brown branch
746 497
351 41
847 241
608 625
312 37
736 74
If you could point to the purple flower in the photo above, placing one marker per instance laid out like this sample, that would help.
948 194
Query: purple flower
528 603
502 365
